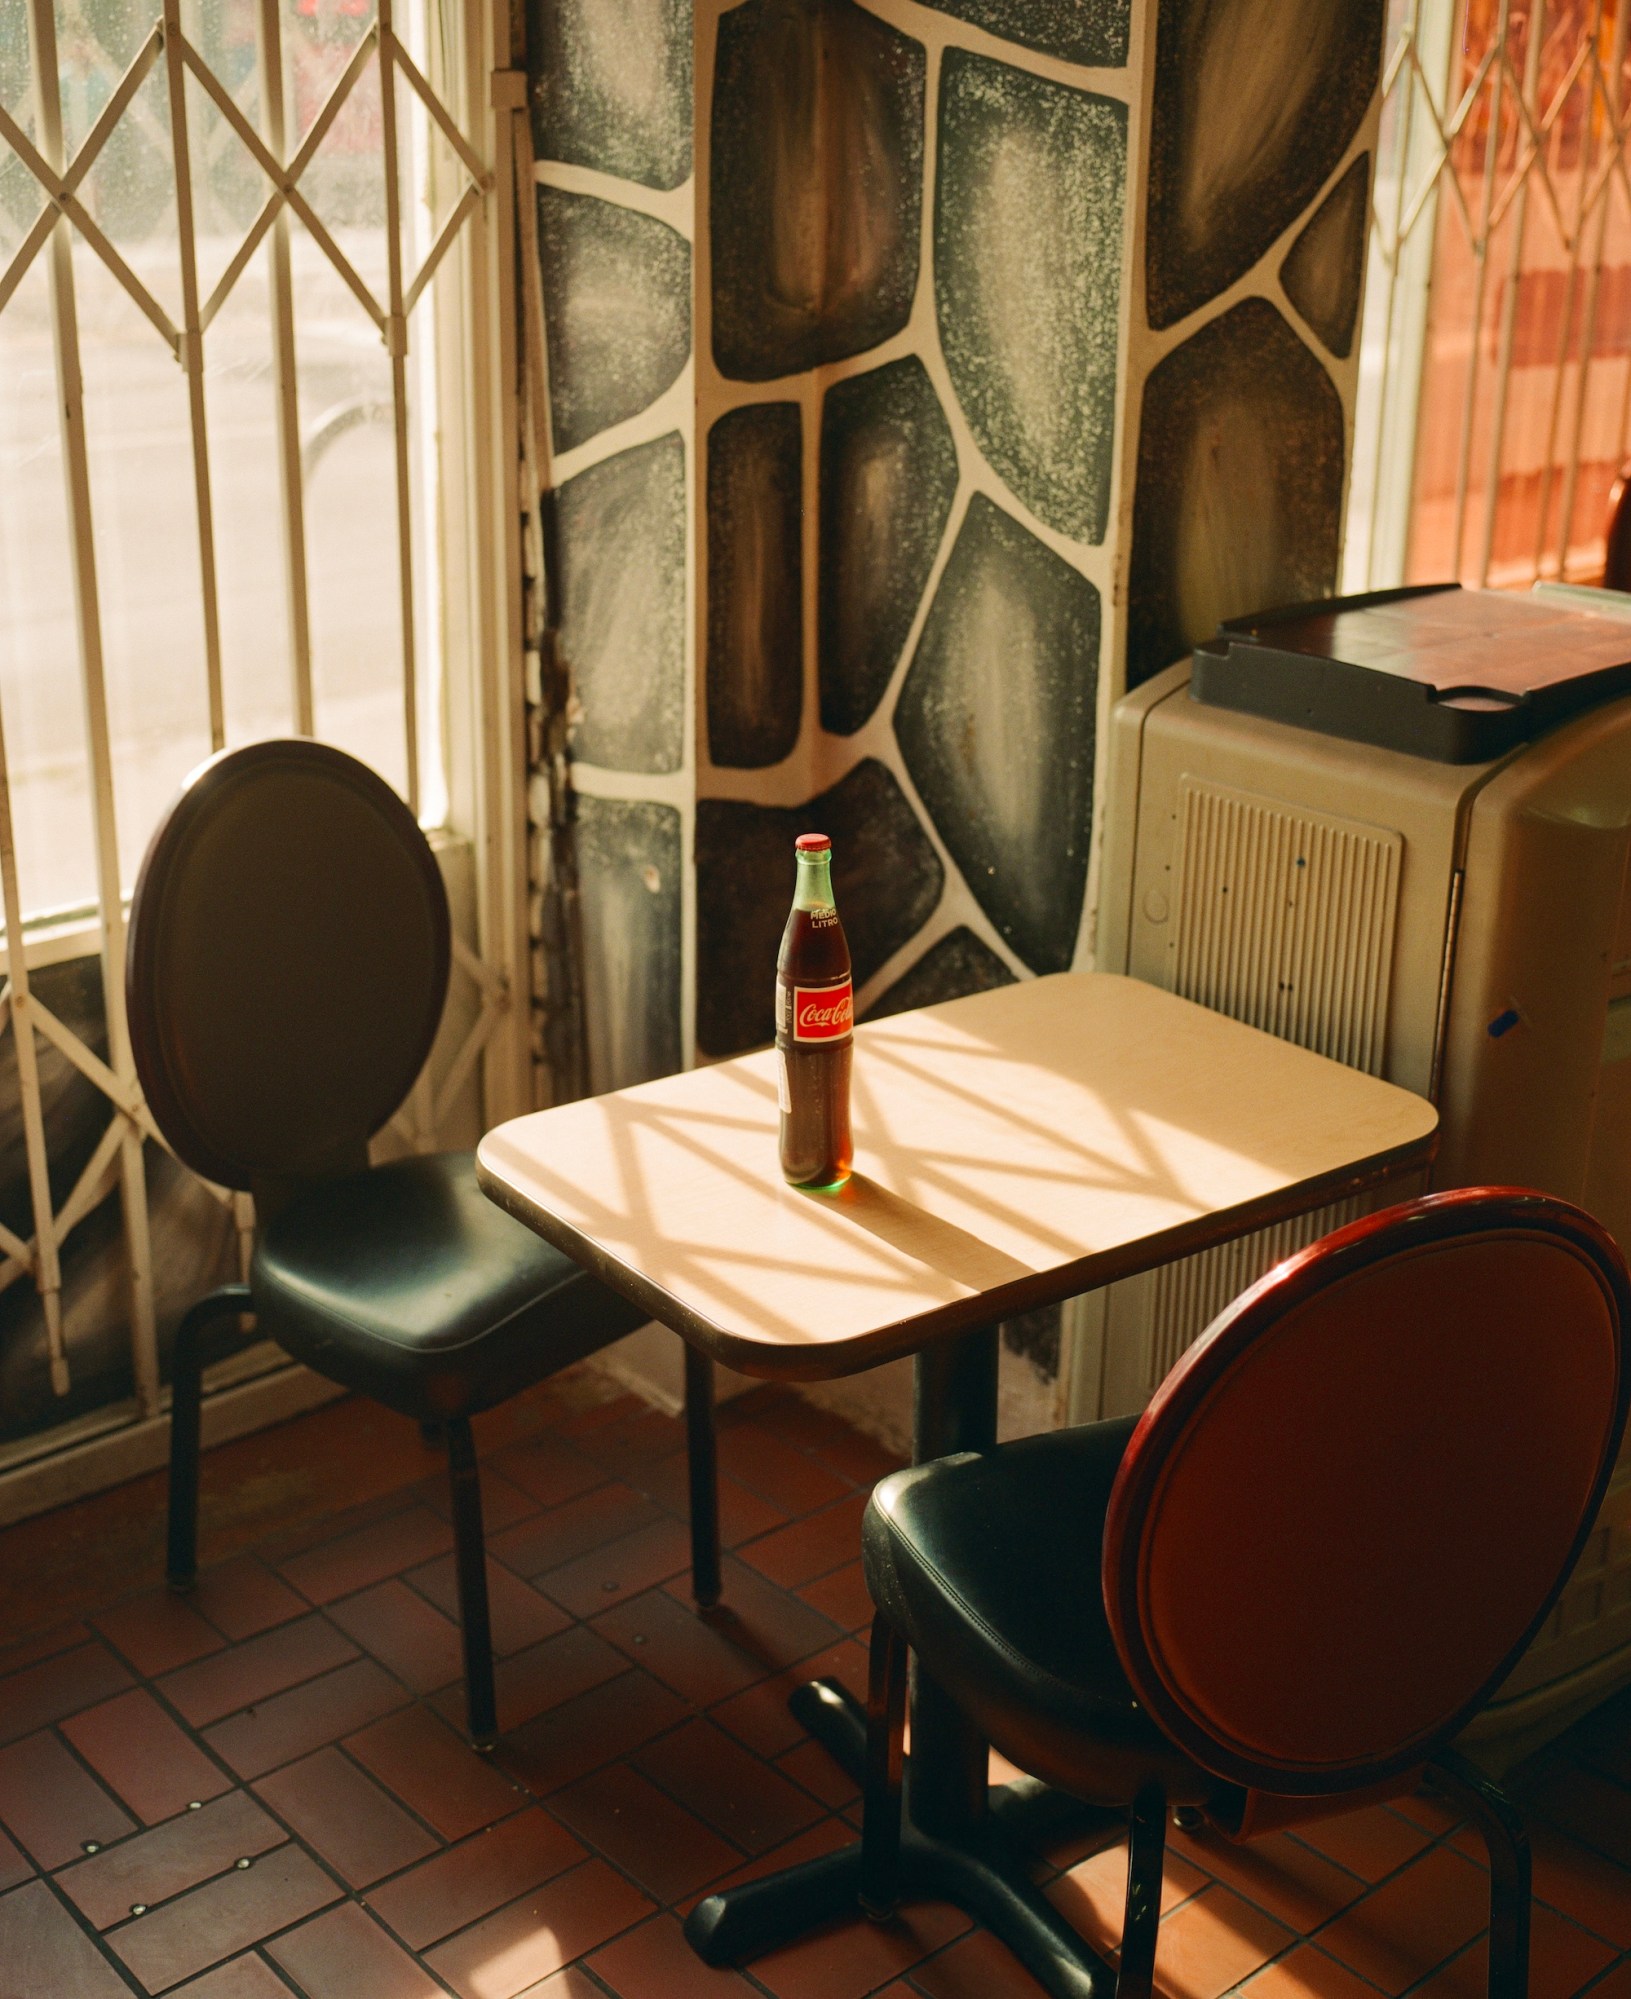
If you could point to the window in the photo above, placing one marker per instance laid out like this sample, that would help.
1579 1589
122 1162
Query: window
250 450
1496 371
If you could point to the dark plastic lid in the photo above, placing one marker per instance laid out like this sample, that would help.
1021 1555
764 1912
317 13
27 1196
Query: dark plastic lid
1460 676
813 843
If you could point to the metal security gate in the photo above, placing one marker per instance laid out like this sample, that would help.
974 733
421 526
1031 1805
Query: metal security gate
1495 391
257 433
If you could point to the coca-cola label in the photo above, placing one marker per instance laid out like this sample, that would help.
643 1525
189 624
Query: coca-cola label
823 1013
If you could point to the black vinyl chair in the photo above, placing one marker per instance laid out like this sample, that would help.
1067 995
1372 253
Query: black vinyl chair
1285 1589
287 965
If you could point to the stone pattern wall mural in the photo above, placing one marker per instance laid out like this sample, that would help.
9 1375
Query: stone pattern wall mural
993 350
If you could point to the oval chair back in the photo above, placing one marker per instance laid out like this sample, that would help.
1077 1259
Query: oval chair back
1352 1504
287 963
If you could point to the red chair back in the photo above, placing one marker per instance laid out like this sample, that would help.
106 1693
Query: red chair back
1352 1504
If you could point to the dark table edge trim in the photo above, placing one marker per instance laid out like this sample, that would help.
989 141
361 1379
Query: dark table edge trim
833 1359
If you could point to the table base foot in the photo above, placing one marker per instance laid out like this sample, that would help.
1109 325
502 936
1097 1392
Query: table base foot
983 1871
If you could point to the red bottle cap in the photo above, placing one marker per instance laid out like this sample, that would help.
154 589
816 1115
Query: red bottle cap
812 843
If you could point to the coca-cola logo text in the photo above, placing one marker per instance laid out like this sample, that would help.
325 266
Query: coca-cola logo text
823 1013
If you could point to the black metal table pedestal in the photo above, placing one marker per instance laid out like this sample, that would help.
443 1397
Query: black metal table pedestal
960 1842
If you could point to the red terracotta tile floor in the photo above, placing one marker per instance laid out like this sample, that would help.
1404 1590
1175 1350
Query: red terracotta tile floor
261 1790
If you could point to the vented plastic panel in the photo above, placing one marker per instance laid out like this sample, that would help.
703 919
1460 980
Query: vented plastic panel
1286 920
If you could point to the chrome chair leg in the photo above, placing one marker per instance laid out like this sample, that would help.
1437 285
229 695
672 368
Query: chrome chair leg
470 1566
701 1449
1146 1860
886 1730
1506 1840
186 1415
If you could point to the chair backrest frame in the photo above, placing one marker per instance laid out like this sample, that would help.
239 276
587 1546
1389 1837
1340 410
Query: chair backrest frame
395 1038
1182 1401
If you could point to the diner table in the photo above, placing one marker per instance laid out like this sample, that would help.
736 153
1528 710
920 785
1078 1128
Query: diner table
1012 1149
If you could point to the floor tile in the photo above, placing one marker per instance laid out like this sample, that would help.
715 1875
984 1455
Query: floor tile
754 1806
466 1882
977 1967
1092 1895
14 1867
435 1772
1413 1922
242 1598
405 1633
307 1716
1586 1887
1371 1844
577 1527
47 1691
247 1977
502 1501
811 1547
255 1670
531 1682
826 1836
1306 1973
170 1859
353 1561
807 1763
520 1944
351 1822
344 1954
1291 1881
843 1597
158 1631
787 1477
623 1568
768 1622
666 1849
643 1437
593 1729
569 1983
51 1805
549 1470
743 1513
1562 1959
1588 1806
653 1961
151 1764
223 1917
44 1951
704 1658
1213 1941
520 1616
851 1959
49 1643
760 1716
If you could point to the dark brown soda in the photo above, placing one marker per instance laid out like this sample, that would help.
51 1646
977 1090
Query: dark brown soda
813 1085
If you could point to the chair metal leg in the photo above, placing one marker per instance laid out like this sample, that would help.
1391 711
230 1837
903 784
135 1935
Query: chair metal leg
186 1409
1146 1858
470 1565
703 1459
1506 1840
885 1740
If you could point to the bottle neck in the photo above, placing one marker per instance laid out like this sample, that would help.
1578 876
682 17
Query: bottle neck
813 889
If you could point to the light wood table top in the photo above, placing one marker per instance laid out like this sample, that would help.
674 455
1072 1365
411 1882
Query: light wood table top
1012 1149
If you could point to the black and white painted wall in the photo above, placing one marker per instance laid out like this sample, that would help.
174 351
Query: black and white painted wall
922 376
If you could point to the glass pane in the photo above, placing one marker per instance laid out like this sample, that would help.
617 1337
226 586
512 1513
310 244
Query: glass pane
256 673
146 535
348 454
39 647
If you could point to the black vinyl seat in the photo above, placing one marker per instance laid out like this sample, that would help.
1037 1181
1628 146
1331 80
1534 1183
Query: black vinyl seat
1018 1636
406 1283
286 969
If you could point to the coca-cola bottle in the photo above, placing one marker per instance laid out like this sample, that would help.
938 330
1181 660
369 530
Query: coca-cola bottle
815 1014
